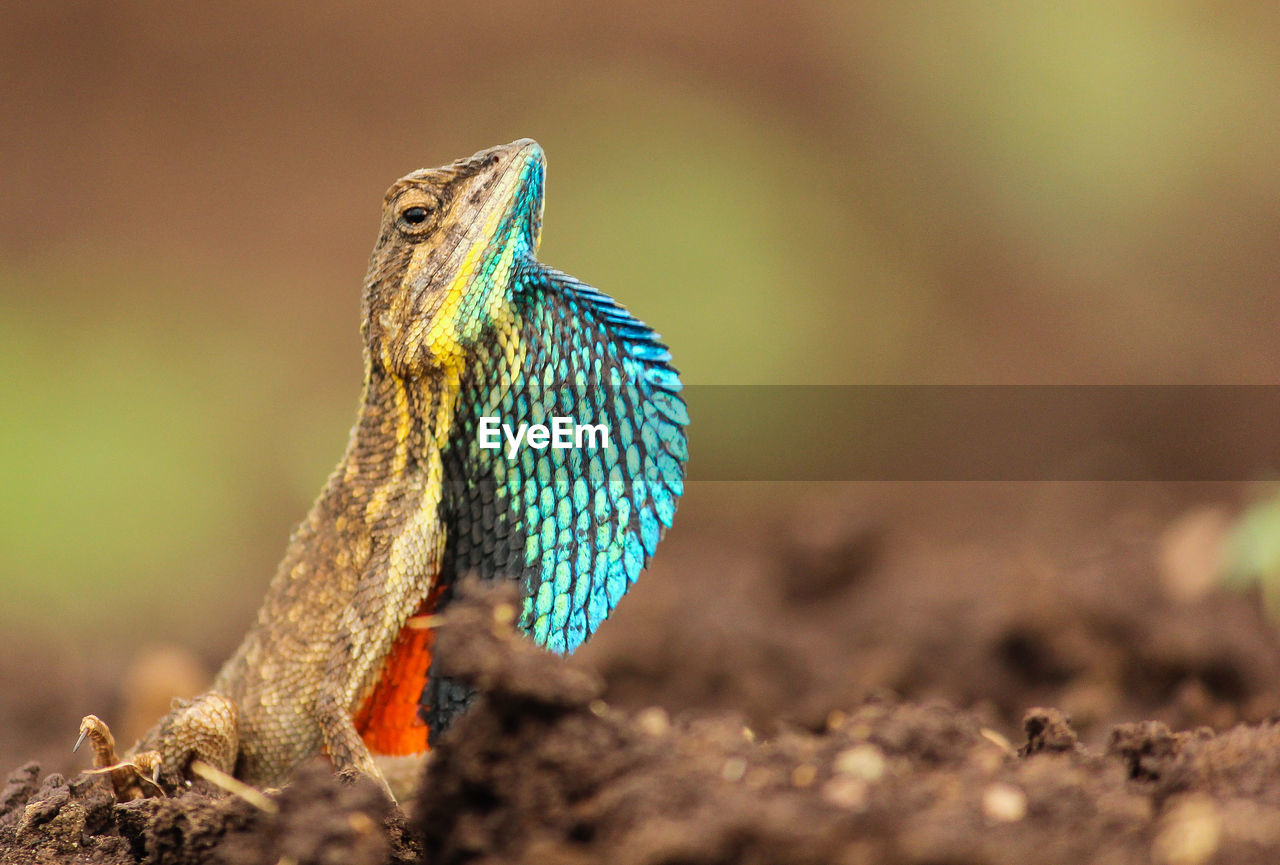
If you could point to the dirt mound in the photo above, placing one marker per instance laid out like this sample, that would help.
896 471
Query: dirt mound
319 819
543 771
991 598
798 703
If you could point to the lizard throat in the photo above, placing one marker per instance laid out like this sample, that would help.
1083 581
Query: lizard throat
394 459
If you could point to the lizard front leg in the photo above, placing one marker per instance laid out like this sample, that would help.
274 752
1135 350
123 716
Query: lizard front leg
374 662
353 659
342 741
205 728
359 663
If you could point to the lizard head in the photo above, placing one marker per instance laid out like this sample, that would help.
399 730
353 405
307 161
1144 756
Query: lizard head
449 239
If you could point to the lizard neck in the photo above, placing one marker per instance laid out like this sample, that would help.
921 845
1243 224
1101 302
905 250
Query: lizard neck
371 545
395 446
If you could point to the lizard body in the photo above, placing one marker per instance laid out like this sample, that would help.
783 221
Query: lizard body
459 322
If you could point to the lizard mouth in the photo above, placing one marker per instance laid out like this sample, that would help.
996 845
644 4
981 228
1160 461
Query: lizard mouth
509 179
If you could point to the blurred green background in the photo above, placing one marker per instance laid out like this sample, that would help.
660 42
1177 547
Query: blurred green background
903 192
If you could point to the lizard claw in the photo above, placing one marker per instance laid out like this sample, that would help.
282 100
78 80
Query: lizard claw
98 733
147 767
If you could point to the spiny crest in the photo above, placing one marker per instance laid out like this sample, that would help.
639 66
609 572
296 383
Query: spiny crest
574 526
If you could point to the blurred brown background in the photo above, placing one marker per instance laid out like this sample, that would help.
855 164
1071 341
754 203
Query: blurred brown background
791 193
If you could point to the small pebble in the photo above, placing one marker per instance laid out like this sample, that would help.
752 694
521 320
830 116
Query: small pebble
1004 803
734 769
846 792
361 822
861 761
803 775
1190 832
654 721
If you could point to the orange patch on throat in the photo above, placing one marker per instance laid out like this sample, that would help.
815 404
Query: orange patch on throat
389 722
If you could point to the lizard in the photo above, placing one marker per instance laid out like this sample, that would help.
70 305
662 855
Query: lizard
459 322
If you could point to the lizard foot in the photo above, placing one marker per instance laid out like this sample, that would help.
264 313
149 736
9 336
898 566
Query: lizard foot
203 729
135 778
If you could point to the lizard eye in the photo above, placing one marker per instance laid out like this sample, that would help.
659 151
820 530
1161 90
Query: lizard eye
414 210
